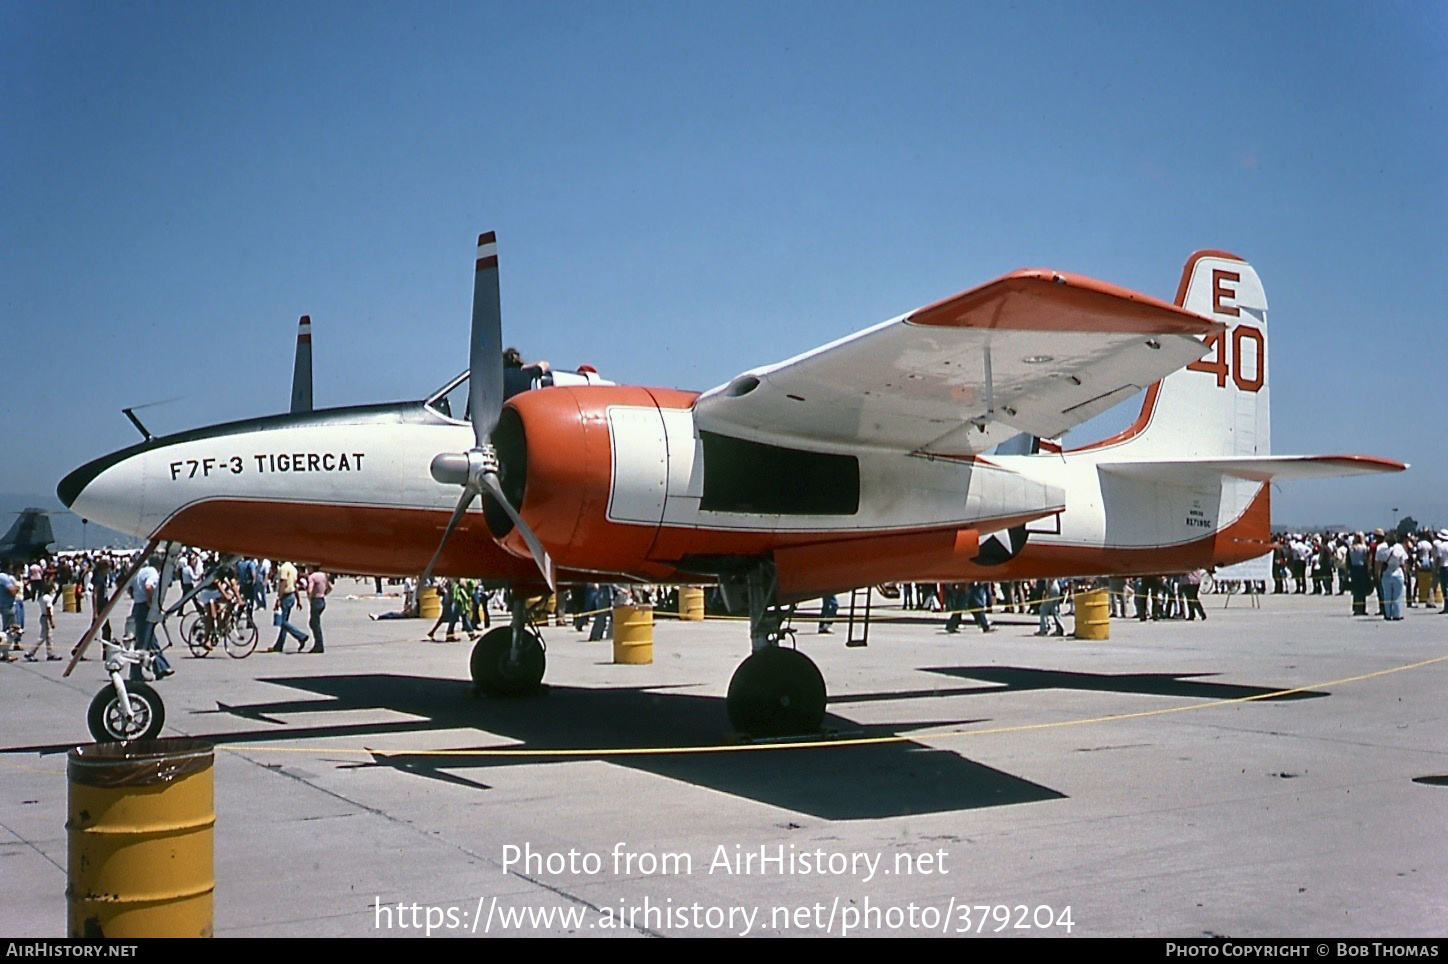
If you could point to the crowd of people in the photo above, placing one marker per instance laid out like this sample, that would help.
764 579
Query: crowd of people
1394 567
1143 598
588 606
1398 569
208 583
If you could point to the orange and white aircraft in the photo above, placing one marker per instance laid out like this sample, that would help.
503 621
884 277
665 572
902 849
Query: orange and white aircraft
884 456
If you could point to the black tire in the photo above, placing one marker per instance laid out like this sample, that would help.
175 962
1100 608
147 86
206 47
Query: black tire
496 675
108 724
240 639
777 692
195 635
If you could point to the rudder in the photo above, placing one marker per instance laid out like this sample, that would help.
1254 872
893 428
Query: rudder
1218 405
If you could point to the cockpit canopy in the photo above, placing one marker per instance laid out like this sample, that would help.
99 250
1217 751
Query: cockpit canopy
451 400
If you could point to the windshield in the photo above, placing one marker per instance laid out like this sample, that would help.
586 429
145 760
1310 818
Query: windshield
451 401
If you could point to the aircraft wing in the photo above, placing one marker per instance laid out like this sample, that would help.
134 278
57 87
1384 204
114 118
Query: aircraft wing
1035 351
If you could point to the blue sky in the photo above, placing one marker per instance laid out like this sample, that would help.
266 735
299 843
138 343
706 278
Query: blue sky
686 190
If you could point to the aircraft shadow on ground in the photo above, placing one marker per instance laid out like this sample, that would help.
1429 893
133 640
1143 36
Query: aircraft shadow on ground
1183 685
833 782
873 781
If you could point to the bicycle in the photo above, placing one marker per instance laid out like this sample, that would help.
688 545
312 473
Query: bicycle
232 631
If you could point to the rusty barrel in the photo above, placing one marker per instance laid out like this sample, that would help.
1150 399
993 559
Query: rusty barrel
1093 614
633 634
1426 586
141 818
429 603
691 603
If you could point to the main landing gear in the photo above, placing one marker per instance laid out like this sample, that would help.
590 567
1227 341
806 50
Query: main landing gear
777 691
509 660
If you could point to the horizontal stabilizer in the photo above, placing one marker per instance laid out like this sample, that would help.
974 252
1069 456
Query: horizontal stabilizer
1252 467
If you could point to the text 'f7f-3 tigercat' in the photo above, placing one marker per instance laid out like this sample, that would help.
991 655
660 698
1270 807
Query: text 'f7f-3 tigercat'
884 456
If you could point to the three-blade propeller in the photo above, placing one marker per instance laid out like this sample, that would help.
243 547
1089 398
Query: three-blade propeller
476 470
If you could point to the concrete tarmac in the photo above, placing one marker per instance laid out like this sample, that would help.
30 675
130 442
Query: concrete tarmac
1013 784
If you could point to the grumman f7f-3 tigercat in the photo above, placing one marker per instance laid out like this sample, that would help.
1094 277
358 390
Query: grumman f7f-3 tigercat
915 450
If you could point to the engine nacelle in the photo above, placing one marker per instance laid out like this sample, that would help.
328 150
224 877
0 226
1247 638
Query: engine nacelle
617 479
566 466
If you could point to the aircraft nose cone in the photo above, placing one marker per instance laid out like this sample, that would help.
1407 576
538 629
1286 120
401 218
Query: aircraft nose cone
75 482
107 490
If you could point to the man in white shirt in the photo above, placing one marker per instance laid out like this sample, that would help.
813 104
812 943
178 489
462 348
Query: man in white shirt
145 585
1301 553
1423 576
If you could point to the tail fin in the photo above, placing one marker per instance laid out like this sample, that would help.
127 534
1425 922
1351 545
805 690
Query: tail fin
29 537
1201 448
1217 406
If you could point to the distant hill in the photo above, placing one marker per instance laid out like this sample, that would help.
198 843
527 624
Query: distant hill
70 532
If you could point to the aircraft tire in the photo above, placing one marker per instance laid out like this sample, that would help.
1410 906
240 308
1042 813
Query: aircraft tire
107 722
777 692
495 675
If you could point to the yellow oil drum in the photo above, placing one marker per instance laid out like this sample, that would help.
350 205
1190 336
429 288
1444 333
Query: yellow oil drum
69 602
1093 614
141 819
429 603
633 635
1425 586
691 603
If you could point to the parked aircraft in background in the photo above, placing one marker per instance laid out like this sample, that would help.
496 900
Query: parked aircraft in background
29 536
879 457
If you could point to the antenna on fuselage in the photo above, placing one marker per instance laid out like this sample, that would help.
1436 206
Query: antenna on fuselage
145 432
130 413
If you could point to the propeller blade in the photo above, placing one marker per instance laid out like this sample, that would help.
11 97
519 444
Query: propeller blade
475 470
469 494
302 367
485 358
540 555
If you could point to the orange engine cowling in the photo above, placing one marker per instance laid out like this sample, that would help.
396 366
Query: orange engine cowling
556 451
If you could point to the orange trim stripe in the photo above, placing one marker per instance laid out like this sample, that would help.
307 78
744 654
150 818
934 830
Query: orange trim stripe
1039 300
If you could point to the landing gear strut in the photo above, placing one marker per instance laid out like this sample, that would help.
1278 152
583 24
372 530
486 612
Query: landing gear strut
777 691
509 660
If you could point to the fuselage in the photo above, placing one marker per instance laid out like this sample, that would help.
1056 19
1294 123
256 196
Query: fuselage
618 482
347 488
